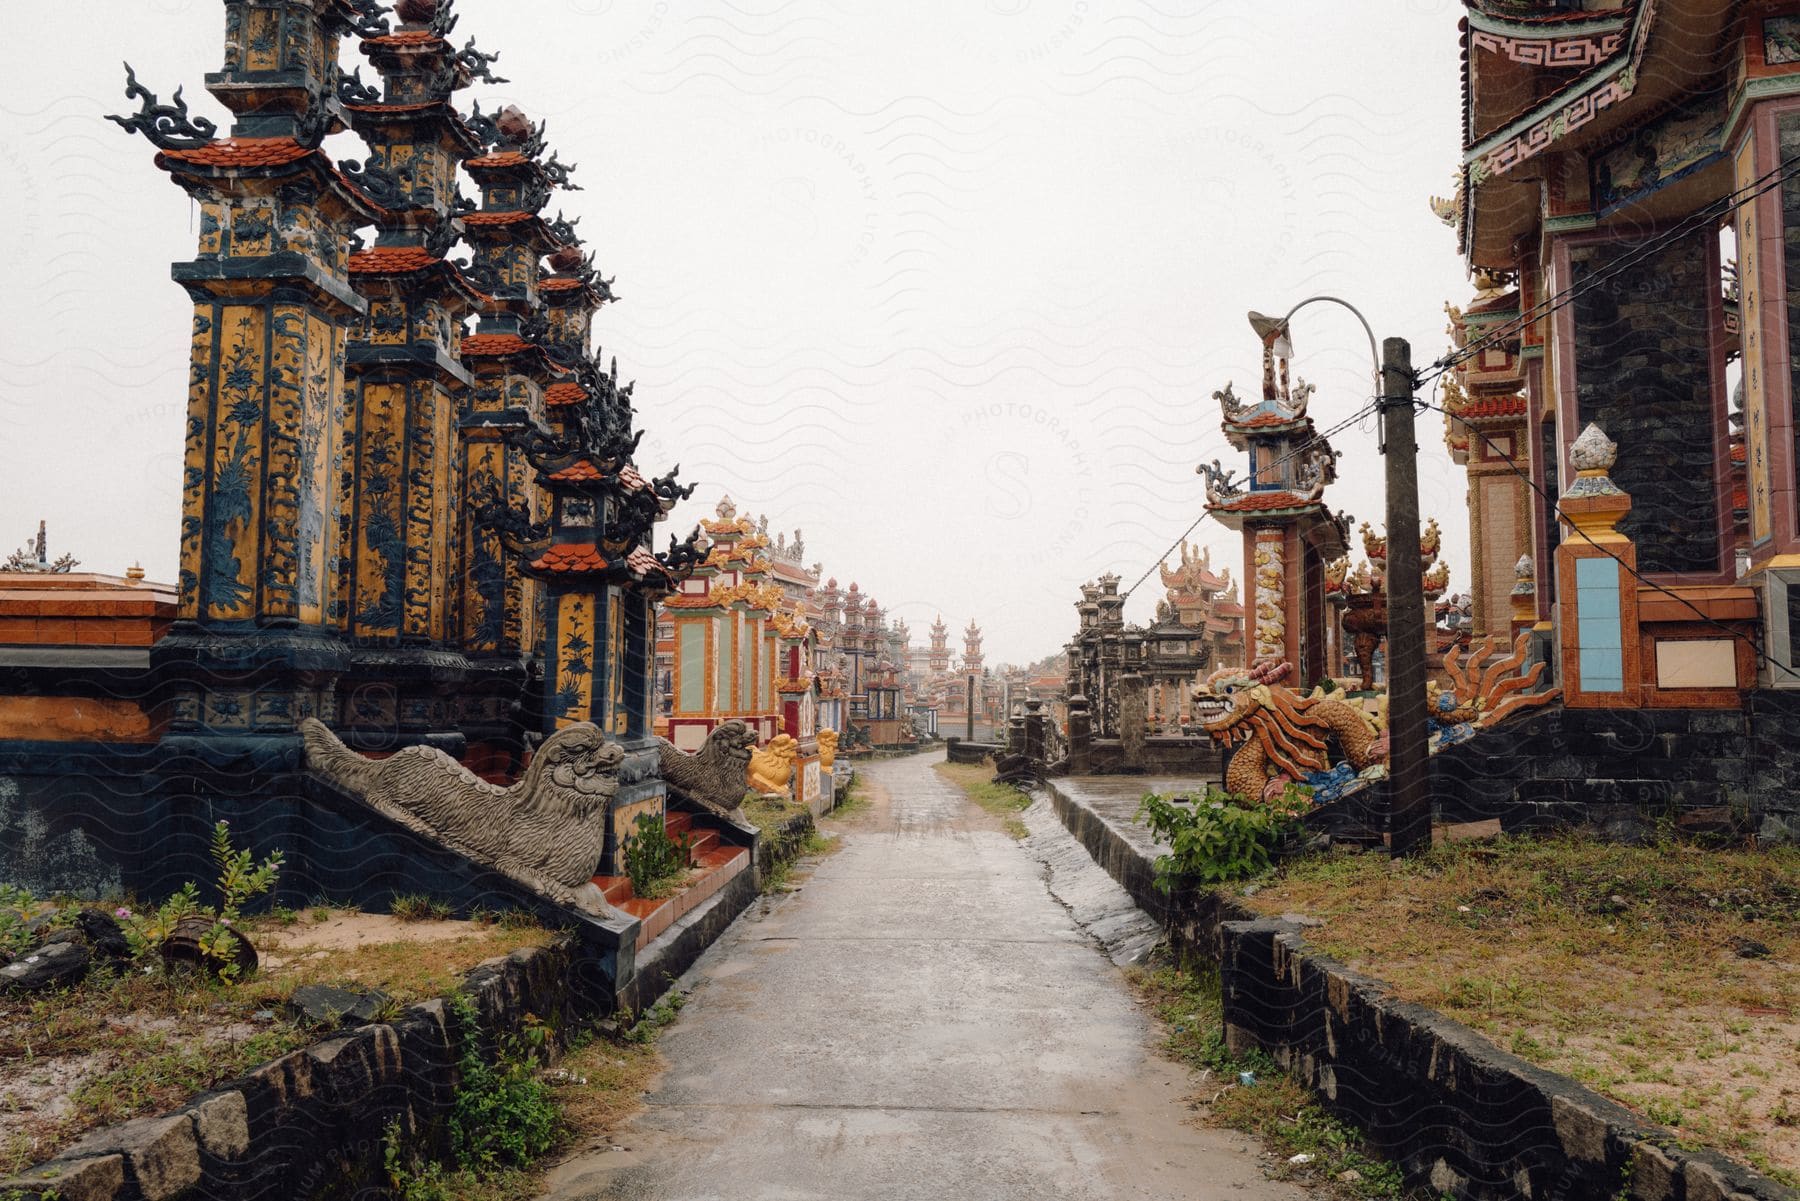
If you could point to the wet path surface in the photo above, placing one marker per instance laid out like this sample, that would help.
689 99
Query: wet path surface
923 1019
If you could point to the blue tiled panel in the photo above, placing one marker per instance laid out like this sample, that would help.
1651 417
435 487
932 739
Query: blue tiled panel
1597 633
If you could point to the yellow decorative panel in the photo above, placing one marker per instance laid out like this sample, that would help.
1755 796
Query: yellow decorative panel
236 469
574 659
1756 405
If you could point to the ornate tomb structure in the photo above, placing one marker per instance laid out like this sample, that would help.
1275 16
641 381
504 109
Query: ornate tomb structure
398 535
1290 534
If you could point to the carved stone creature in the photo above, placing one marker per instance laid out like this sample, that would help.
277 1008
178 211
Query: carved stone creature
714 777
772 766
827 748
546 832
1279 734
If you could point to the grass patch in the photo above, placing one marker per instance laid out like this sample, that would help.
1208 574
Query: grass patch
1660 976
513 1118
851 800
417 907
769 814
1002 800
1272 1107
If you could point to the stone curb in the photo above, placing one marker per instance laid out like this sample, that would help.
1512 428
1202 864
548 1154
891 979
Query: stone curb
1449 1106
312 1122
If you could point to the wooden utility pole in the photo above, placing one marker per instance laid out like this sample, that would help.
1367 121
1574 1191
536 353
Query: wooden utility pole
1409 791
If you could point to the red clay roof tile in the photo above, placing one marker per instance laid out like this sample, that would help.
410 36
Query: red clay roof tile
1258 501
1501 406
570 558
557 396
498 218
392 260
241 152
582 472
499 160
404 37
487 345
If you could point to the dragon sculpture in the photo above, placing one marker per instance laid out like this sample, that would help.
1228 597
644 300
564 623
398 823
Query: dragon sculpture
772 766
713 777
545 832
1281 737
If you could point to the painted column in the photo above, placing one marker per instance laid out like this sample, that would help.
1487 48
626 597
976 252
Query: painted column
256 648
406 388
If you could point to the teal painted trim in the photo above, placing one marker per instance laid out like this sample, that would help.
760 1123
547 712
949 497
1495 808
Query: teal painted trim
693 667
1489 23
1598 625
1574 223
1771 87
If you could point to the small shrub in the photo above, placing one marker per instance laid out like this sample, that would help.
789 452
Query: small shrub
16 905
646 1028
504 1116
519 919
1221 838
653 860
320 915
417 907
241 880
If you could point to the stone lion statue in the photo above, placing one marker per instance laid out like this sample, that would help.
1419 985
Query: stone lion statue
546 832
714 776
772 766
827 748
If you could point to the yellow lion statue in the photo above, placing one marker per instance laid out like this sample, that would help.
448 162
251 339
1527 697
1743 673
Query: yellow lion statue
827 748
772 766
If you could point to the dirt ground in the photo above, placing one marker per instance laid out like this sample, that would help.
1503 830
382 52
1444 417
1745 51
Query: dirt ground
1664 977
118 1047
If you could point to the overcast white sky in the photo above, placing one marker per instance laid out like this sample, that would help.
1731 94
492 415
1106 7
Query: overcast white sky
946 283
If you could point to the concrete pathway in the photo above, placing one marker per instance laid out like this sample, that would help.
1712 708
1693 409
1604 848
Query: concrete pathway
924 1019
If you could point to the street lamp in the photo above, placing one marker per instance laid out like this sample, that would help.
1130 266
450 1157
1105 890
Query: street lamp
1409 792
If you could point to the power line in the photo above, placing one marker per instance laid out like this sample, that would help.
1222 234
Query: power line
1339 428
1506 457
1687 225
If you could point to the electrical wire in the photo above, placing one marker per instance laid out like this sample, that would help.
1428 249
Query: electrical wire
1339 428
1694 221
1589 539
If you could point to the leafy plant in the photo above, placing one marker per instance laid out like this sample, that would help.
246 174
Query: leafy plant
417 907
1221 837
15 911
503 1115
652 859
241 880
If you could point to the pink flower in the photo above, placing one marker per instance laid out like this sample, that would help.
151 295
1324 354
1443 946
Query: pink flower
122 912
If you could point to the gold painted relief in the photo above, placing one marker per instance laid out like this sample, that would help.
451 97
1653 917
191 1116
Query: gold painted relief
380 548
321 447
615 674
194 493
1757 468
262 39
236 467
574 700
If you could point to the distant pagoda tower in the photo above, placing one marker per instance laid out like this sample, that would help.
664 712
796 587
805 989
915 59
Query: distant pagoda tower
937 659
406 389
1289 533
256 645
972 656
